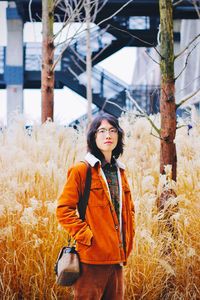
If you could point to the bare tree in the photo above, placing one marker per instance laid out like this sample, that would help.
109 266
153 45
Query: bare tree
73 12
167 101
47 76
87 24
168 106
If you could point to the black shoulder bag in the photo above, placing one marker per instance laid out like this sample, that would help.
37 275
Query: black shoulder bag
67 266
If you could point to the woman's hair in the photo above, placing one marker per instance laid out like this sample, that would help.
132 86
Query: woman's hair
91 143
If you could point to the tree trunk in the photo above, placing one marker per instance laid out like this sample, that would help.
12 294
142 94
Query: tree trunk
167 104
89 62
47 76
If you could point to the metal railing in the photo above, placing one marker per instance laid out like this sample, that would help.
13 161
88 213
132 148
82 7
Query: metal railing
104 83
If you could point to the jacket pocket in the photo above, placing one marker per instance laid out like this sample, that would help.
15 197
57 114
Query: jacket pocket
81 248
97 194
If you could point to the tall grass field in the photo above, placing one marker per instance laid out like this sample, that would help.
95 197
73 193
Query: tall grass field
165 261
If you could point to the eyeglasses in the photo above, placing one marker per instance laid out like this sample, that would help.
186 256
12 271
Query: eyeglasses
103 131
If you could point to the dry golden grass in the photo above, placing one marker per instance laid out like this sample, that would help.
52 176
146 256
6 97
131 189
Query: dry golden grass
164 264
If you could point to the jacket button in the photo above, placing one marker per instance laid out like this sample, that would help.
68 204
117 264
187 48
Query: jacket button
116 227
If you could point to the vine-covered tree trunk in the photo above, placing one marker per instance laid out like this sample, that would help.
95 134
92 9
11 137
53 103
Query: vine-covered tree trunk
47 75
167 104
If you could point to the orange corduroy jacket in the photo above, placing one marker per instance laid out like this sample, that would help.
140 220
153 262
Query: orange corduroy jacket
100 239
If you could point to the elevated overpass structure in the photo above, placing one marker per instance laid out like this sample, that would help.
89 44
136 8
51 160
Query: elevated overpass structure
184 10
136 25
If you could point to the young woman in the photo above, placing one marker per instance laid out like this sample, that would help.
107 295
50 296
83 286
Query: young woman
104 240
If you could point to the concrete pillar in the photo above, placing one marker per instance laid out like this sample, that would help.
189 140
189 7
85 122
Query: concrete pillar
14 71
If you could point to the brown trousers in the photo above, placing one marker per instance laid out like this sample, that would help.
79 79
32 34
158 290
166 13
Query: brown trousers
99 282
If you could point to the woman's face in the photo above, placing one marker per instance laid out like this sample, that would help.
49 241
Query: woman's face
106 137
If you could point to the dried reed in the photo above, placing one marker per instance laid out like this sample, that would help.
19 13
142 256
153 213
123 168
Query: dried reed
164 264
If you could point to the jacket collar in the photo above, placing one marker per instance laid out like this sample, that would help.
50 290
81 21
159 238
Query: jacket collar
92 160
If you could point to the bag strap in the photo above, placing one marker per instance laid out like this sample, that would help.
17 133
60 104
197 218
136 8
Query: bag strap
83 201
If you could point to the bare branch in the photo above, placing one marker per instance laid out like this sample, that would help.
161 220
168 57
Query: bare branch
186 99
78 33
122 109
187 85
29 11
75 75
100 52
97 9
158 137
65 48
31 18
181 126
75 12
186 62
75 35
132 35
77 64
177 3
88 9
143 112
56 3
60 56
76 53
115 104
192 41
57 17
115 13
196 8
151 57
39 17
72 14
